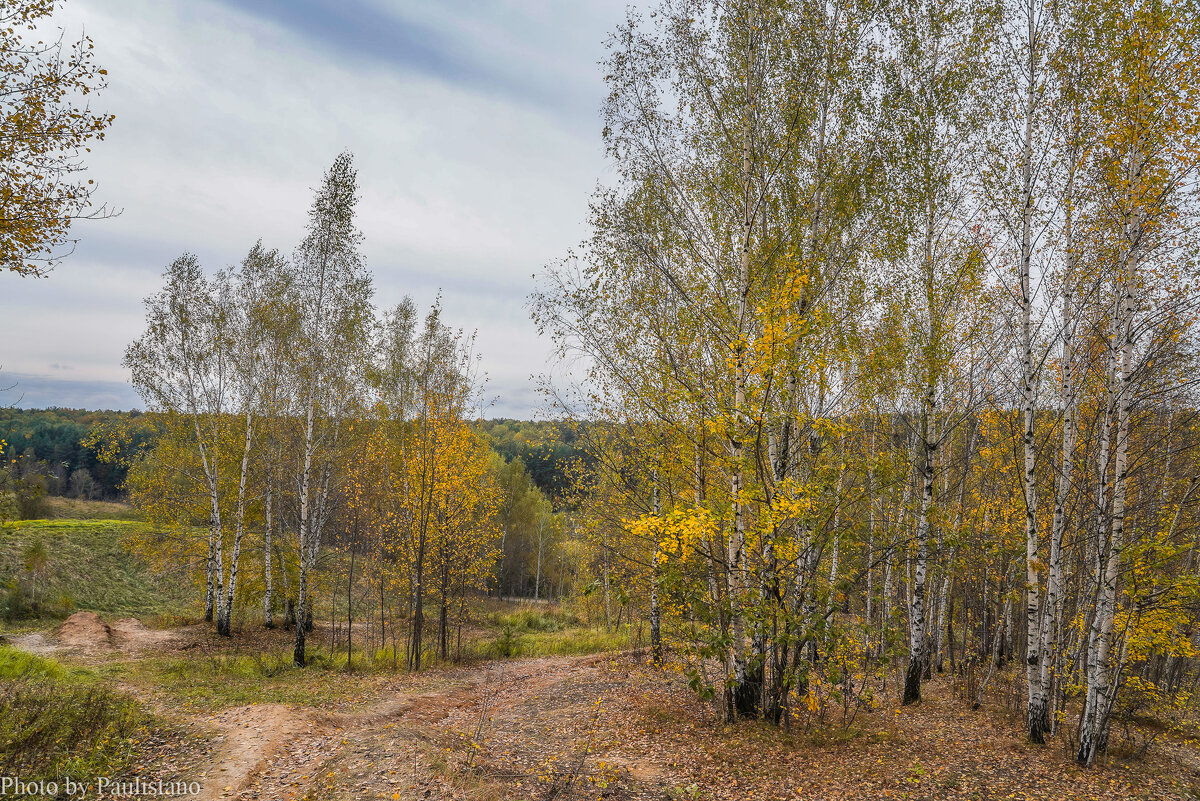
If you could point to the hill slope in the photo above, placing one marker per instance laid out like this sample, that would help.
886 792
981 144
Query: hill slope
51 568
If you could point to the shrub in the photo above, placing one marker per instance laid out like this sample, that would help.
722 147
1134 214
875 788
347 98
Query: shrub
506 644
56 724
49 730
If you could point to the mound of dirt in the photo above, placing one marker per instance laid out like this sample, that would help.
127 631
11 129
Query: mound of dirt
85 631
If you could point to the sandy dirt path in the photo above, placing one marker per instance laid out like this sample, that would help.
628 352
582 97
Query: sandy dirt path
249 736
398 746
413 741
272 751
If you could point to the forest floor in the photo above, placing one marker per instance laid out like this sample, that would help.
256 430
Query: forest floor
596 726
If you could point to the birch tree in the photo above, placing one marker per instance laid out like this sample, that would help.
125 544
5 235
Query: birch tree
934 80
180 364
1017 185
326 364
1145 109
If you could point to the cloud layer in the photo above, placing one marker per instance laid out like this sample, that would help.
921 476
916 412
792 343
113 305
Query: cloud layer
476 136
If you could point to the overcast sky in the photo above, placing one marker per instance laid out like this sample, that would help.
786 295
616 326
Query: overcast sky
476 134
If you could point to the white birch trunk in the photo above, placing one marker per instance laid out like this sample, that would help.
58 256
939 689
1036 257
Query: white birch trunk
225 622
1053 610
298 652
916 617
655 613
1101 685
735 557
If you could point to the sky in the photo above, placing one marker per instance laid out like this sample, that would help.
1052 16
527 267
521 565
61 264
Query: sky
475 129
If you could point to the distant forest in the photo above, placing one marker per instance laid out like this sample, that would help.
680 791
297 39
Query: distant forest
45 453
550 451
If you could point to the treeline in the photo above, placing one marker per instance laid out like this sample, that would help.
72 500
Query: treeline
56 442
300 435
890 327
45 453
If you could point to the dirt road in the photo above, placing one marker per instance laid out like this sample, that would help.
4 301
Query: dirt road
606 727
523 726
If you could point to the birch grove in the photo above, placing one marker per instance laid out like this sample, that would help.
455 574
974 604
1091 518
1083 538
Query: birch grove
305 429
883 323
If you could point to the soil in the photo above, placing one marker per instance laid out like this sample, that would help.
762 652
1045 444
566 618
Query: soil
131 636
250 737
38 644
502 729
85 631
612 727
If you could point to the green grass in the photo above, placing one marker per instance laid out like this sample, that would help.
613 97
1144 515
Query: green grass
56 567
546 631
58 722
15 664
18 665
575 642
219 681
539 620
568 642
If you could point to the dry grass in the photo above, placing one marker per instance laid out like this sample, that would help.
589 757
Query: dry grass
59 508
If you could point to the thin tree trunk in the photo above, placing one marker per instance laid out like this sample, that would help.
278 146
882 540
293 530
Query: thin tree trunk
1036 717
916 619
350 614
1052 612
298 650
870 549
268 595
537 581
1101 687
210 580
225 621
743 697
994 662
655 614
942 627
